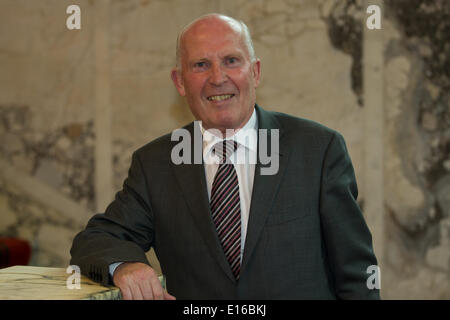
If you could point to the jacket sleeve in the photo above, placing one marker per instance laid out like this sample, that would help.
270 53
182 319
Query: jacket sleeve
348 240
123 233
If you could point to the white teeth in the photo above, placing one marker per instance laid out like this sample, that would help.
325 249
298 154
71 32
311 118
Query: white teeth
220 98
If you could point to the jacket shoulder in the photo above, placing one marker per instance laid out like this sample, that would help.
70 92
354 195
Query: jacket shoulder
156 150
295 127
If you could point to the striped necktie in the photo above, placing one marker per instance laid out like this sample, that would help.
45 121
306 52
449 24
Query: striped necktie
225 205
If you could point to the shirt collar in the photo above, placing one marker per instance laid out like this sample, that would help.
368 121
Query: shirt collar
246 136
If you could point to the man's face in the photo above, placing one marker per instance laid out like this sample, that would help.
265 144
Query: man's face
217 78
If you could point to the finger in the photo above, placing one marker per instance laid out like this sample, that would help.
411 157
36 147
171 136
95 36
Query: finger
126 293
146 290
168 296
158 292
136 292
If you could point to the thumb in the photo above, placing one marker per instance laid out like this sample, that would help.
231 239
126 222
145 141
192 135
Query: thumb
168 296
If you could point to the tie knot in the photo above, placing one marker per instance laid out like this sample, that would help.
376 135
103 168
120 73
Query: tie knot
225 149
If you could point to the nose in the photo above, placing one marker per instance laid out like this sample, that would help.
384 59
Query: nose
218 76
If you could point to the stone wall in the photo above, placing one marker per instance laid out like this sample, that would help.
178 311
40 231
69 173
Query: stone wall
71 99
417 144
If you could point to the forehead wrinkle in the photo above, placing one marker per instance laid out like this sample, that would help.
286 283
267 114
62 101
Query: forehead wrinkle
225 51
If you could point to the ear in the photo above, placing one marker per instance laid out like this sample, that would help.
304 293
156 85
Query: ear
256 68
177 79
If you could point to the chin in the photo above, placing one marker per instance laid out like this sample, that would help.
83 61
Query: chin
226 122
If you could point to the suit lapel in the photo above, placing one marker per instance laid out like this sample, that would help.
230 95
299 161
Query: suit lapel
264 186
192 181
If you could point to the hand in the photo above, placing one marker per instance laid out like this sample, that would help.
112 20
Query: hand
138 281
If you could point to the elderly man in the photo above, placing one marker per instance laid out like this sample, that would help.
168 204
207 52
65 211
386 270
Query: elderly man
223 230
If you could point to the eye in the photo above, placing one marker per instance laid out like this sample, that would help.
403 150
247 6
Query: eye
200 65
232 60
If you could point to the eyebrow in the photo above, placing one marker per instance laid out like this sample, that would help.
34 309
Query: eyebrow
227 55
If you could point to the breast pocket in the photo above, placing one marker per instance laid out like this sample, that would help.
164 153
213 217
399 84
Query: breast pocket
286 215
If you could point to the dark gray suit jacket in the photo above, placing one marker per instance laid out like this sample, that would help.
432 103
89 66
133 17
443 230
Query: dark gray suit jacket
306 237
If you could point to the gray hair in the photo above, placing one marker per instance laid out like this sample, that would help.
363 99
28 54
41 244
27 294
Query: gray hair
238 25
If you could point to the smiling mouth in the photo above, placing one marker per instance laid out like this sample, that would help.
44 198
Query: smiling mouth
221 97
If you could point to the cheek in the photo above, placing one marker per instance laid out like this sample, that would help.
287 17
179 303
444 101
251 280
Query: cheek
194 86
244 81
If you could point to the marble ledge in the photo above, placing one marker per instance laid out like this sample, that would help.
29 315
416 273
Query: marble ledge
42 283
